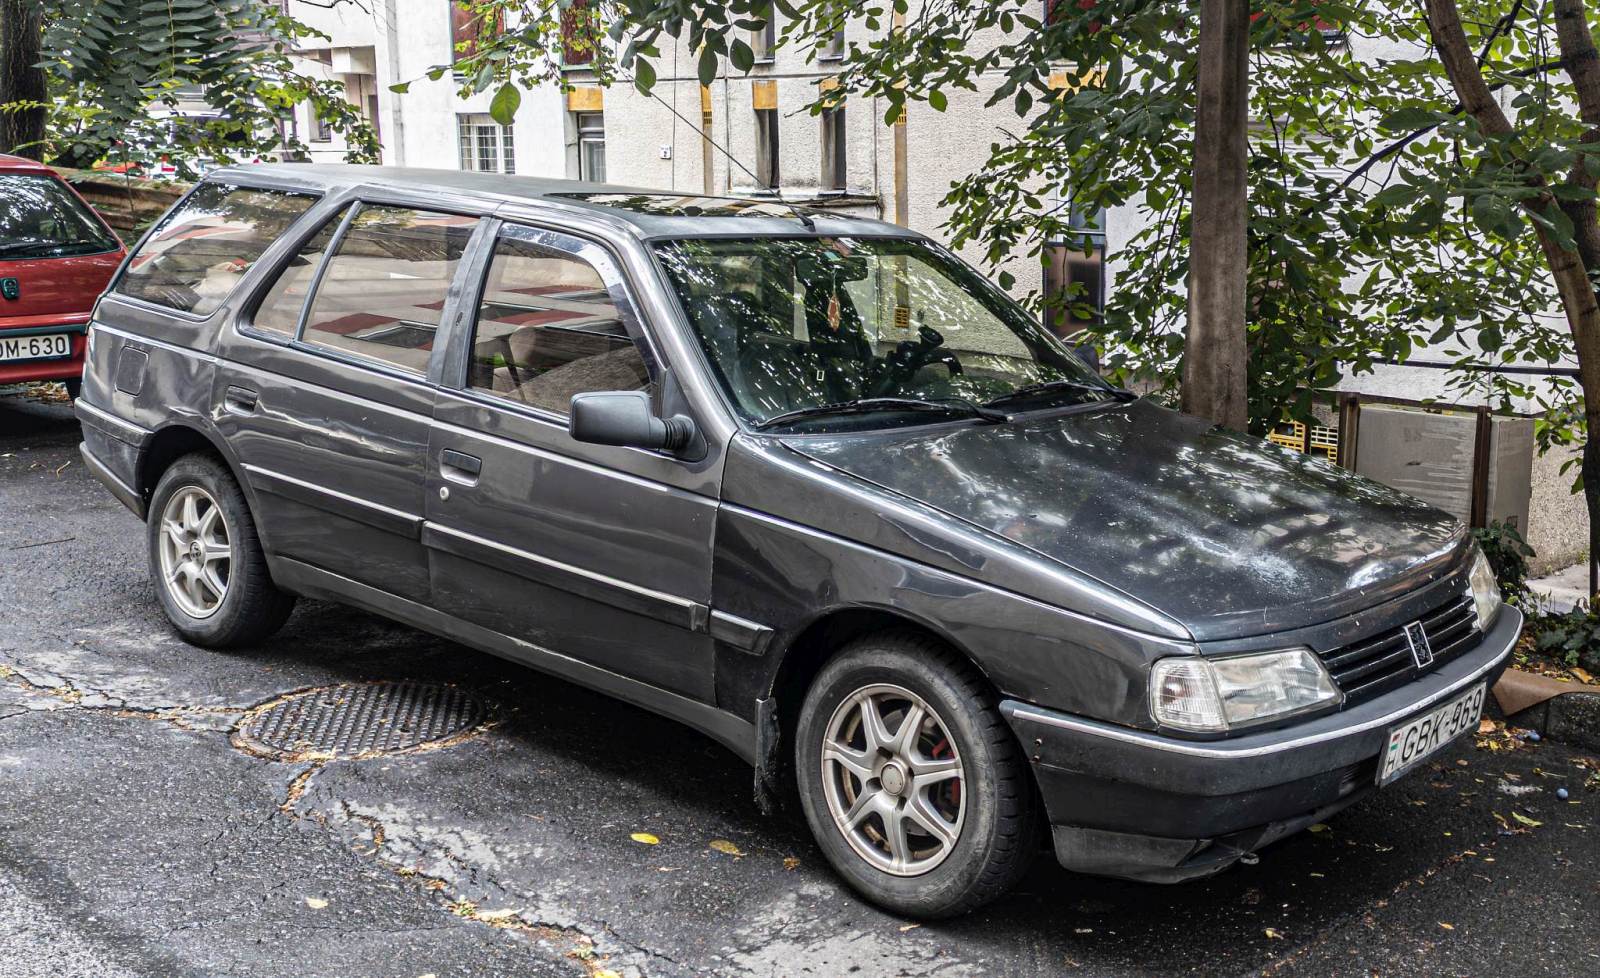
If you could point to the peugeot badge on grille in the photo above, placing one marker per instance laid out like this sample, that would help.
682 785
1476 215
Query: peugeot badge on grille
1421 651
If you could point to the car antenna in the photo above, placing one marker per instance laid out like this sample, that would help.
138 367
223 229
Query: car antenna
805 219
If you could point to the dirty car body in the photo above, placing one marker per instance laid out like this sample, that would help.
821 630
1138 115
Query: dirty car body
1105 566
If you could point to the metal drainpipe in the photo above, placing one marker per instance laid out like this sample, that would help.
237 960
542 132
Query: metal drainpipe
395 133
902 193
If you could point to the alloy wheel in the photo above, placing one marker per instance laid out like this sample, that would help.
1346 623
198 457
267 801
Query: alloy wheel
893 780
195 553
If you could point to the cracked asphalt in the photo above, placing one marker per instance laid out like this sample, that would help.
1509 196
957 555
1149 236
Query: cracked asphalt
136 840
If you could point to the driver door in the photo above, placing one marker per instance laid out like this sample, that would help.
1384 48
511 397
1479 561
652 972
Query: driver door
597 553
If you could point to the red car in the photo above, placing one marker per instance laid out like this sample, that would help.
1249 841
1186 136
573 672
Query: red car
56 256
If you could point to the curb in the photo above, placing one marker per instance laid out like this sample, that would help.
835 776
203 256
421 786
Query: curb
1563 712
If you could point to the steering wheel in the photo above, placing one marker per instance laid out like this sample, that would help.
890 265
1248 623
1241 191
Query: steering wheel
911 356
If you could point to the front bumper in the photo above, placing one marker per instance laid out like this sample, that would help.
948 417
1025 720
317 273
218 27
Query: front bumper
1133 804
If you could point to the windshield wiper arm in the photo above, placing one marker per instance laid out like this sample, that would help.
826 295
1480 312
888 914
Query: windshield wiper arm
1033 390
866 404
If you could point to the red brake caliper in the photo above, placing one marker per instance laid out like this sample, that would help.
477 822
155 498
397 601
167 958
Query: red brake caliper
952 791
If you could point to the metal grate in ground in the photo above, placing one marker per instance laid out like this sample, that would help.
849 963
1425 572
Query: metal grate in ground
360 720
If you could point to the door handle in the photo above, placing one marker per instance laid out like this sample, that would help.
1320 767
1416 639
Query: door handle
460 467
239 400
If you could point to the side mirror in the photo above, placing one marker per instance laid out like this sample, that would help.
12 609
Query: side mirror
625 418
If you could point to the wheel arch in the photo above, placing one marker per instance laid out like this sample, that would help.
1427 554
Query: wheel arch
803 657
172 442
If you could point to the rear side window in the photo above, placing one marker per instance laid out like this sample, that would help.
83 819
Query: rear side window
280 311
198 253
41 218
382 294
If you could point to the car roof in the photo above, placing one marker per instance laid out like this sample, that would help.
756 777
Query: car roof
645 212
21 164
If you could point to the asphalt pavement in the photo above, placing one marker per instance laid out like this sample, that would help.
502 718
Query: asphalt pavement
136 838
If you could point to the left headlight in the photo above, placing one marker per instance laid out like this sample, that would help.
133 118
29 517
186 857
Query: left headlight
1214 695
1485 591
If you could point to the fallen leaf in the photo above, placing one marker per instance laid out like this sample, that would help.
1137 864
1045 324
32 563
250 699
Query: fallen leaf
493 915
789 862
1582 675
606 973
1447 926
1525 820
644 837
1273 934
1319 827
1486 726
909 927
316 903
723 845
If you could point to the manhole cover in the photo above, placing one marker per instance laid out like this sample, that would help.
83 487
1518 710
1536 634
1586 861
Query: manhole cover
360 719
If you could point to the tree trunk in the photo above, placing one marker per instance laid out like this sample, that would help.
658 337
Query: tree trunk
1215 357
21 80
1567 266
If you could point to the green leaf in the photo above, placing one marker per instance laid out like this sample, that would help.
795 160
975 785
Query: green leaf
400 88
742 57
503 108
644 75
937 100
708 65
1412 118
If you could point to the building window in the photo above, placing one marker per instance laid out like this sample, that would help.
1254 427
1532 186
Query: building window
833 149
591 146
764 41
577 35
767 148
466 28
1075 277
832 46
321 131
485 144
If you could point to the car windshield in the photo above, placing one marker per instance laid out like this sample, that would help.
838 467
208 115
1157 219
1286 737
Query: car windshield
40 218
822 333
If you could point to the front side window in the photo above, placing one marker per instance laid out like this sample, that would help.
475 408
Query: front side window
549 327
382 292
862 332
41 218
199 252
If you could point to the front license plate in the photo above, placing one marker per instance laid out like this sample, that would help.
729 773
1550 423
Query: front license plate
1421 736
35 347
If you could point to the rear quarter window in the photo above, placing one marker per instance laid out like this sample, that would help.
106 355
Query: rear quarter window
199 252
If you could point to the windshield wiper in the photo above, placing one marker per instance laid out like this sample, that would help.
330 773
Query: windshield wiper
1051 386
868 404
47 248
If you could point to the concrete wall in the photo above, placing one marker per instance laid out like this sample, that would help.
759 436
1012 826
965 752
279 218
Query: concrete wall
1558 523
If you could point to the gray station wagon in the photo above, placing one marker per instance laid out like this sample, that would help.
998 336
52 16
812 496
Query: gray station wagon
806 483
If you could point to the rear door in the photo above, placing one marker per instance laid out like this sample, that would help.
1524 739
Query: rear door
326 389
601 554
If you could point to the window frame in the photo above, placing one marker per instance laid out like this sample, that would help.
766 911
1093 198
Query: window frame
348 201
588 135
456 374
835 176
769 145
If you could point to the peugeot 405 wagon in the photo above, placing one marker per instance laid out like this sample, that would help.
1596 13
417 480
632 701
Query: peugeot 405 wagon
806 483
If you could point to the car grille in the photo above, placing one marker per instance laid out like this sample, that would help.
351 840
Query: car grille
1383 661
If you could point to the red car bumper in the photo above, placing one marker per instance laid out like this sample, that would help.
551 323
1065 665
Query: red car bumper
54 368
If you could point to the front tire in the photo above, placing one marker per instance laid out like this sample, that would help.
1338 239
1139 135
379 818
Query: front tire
911 780
206 561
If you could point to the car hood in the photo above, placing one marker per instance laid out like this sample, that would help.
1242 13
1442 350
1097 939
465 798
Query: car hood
1230 535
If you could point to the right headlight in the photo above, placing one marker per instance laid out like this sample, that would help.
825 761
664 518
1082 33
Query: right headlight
1215 695
1485 591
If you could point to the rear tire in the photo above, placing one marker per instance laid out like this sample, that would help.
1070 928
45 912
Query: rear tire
989 831
206 562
